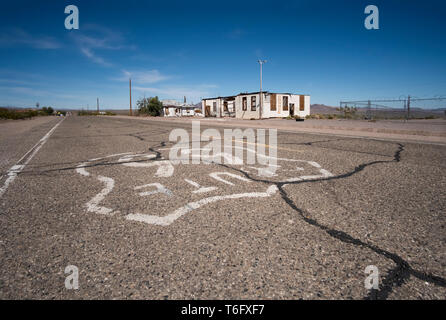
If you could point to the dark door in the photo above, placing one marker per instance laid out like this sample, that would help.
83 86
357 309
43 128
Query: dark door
291 109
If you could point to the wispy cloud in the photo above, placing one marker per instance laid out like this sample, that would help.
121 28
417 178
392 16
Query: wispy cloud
94 38
143 77
93 57
35 92
15 82
16 37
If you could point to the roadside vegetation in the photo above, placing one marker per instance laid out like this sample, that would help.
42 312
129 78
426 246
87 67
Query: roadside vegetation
150 106
17 114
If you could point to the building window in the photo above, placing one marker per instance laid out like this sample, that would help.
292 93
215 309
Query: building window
285 103
244 103
225 106
253 103
273 102
214 106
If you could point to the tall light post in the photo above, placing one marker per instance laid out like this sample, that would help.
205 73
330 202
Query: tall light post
261 62
130 91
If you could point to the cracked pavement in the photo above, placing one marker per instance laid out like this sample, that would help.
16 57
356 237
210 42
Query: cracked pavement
93 194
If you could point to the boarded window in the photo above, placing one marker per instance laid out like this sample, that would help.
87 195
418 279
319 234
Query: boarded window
285 103
273 102
244 104
215 106
253 103
302 103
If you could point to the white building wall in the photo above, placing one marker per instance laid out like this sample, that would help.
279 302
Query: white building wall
306 111
280 112
248 113
266 110
171 111
214 111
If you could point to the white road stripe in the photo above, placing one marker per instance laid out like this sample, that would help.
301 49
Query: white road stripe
17 168
167 220
93 204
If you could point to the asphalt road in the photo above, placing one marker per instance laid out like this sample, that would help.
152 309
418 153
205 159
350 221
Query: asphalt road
99 193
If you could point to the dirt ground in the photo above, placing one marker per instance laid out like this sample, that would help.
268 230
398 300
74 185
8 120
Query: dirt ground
427 131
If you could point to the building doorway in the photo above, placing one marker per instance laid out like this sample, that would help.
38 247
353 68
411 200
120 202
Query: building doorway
292 109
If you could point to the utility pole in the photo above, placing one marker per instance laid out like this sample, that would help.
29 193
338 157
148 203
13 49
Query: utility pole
369 111
97 104
261 62
130 89
408 107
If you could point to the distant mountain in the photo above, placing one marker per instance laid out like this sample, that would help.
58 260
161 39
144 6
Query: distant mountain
323 109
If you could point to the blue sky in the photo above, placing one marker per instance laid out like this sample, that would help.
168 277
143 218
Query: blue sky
209 48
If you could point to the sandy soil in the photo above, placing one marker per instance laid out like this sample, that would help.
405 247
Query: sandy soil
429 131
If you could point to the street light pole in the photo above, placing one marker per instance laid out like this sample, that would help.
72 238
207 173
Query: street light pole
261 62
130 91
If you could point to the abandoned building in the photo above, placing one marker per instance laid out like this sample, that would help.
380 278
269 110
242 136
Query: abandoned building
247 105
173 108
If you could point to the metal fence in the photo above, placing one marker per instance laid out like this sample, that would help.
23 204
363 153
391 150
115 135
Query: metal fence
402 108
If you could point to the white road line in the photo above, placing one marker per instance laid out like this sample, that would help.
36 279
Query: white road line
17 168
167 220
159 189
93 204
200 189
216 176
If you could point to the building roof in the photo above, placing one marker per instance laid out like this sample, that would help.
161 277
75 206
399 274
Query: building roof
258 92
219 97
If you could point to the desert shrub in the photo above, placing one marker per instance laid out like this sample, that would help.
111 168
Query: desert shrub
150 106
47 110
17 114
87 113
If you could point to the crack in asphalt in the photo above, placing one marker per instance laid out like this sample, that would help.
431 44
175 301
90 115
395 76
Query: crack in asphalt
395 277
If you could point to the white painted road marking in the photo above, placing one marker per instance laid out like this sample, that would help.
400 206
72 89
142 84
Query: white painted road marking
167 220
200 189
166 169
93 204
216 176
17 168
159 189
